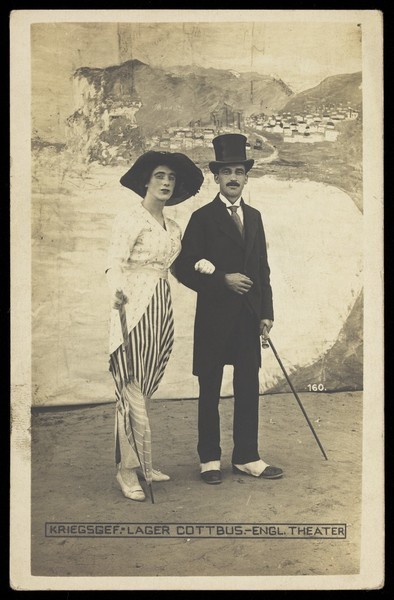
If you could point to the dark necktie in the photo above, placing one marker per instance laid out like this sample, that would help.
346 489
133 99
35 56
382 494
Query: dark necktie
236 219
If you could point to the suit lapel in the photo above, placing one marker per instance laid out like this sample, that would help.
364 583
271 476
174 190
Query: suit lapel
250 225
225 223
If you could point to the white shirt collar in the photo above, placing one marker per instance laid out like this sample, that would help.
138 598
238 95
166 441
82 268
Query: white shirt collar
228 203
240 212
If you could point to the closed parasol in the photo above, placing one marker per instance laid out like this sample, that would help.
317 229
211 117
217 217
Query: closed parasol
132 407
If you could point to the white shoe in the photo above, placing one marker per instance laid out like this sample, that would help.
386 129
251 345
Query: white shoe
133 493
159 476
259 468
156 475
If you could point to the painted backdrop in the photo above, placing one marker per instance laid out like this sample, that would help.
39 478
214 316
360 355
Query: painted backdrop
102 93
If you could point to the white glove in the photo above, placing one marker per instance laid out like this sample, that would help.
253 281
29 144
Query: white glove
204 266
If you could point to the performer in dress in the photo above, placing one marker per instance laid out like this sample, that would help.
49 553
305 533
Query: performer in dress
144 244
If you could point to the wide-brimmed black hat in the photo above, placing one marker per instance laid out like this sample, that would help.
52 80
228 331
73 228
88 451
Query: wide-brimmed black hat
230 149
189 177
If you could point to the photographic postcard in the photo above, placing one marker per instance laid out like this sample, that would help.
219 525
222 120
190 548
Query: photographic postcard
91 90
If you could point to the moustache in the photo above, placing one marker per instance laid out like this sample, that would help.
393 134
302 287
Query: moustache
233 183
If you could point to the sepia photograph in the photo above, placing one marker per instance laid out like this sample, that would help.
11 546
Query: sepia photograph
197 300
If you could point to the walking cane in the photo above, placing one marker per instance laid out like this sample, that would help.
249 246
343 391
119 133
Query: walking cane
265 345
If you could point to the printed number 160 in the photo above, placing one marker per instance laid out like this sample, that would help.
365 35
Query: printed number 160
316 387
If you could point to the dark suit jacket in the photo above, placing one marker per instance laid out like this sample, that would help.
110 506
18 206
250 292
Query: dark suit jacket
212 234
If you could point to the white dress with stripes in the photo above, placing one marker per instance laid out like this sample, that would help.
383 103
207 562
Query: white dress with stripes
140 254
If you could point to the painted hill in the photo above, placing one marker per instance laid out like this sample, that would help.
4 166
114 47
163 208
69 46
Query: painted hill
119 109
332 91
250 92
180 95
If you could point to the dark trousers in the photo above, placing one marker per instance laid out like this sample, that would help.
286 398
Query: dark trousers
244 351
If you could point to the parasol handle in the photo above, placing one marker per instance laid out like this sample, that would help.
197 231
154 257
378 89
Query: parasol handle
125 333
151 493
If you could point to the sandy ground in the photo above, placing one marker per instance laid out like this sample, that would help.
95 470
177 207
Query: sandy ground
73 481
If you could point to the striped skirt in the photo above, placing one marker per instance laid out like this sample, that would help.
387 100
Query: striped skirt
151 342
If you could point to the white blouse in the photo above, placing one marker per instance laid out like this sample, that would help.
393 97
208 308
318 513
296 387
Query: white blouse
140 252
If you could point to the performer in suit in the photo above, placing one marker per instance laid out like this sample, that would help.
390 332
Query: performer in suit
224 259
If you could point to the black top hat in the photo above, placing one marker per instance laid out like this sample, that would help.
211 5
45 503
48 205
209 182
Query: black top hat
189 177
230 148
